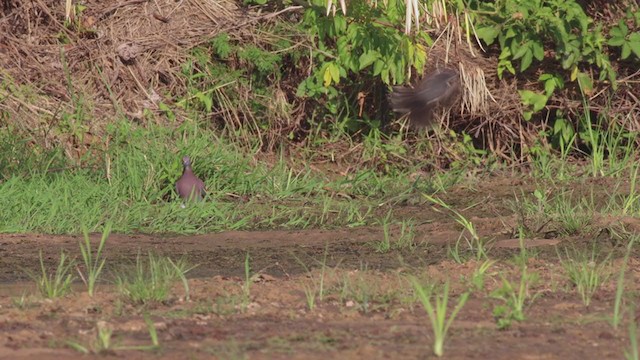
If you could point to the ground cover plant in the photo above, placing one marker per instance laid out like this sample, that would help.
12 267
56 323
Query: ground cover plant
508 229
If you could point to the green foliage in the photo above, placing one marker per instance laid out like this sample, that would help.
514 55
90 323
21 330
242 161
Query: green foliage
356 42
221 46
625 38
616 318
263 61
514 298
132 186
561 34
94 263
354 58
524 28
151 280
534 101
359 52
53 285
255 2
564 134
435 304
587 272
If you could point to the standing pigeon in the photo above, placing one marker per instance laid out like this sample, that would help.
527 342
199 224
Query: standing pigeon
189 187
437 90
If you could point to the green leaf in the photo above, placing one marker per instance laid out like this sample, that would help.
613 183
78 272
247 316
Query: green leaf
616 41
487 34
167 111
505 65
334 70
505 54
510 33
626 51
538 50
302 90
340 23
623 28
421 56
569 61
537 101
368 58
545 77
618 34
563 130
634 43
549 87
326 77
585 82
520 52
540 102
377 67
526 61
551 83
410 49
385 75
206 100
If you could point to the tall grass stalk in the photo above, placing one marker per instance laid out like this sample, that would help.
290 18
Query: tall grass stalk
630 202
153 333
632 353
93 264
437 312
476 245
616 319
246 287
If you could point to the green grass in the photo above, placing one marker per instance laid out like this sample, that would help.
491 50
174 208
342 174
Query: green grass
93 263
396 235
361 292
478 277
616 318
475 245
54 284
587 272
632 353
103 342
625 201
22 302
151 280
514 298
435 304
315 288
132 187
565 212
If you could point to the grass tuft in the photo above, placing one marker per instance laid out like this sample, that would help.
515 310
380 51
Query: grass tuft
56 284
151 280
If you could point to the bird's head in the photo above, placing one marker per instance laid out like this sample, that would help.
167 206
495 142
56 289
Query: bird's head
186 161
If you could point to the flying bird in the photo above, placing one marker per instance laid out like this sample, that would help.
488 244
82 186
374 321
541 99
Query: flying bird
437 90
189 186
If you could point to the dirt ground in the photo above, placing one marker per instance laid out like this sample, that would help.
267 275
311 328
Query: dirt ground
367 309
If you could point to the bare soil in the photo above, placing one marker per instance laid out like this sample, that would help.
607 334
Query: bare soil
367 311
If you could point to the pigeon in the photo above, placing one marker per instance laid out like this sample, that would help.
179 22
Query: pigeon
437 90
189 186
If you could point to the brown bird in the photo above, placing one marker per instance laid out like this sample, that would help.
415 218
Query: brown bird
437 90
189 186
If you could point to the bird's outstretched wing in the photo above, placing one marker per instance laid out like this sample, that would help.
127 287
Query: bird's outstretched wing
437 90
